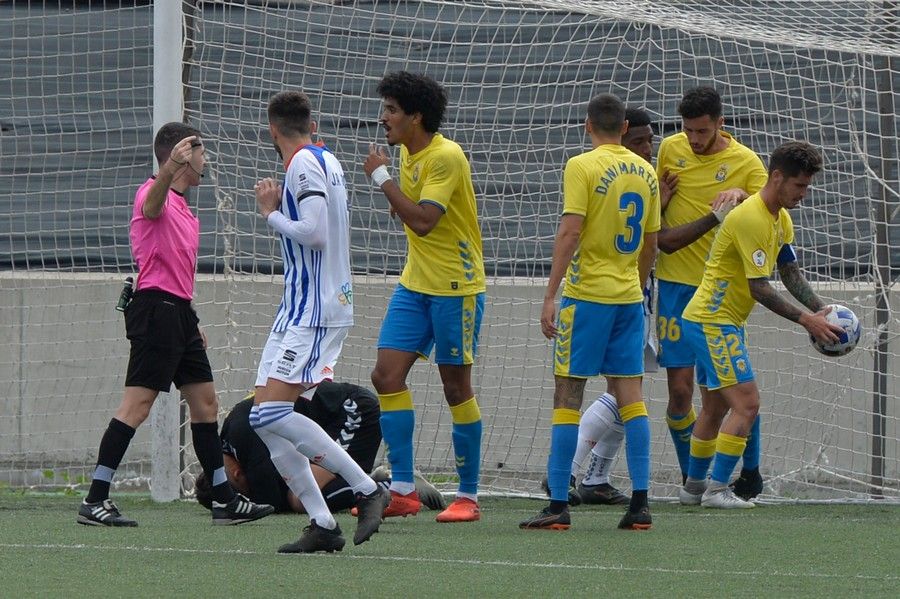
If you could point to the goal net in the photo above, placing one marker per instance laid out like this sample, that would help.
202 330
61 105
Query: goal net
75 144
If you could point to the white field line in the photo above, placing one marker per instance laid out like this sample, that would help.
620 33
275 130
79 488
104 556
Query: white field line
456 562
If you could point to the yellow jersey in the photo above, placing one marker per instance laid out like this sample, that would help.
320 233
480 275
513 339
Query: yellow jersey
700 179
746 247
617 193
448 260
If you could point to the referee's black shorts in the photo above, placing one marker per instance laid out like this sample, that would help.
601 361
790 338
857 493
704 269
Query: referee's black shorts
166 345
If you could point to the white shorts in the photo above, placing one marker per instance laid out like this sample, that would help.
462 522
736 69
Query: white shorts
301 355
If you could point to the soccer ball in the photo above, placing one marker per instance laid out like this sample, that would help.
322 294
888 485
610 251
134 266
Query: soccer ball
846 319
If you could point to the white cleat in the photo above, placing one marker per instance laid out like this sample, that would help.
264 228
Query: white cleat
724 498
685 497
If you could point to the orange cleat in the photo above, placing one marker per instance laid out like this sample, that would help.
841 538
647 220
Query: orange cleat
461 510
403 505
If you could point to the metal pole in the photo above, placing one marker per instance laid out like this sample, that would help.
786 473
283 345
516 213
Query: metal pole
168 106
887 170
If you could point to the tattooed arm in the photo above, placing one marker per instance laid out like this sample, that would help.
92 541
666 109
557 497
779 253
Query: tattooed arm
763 292
798 286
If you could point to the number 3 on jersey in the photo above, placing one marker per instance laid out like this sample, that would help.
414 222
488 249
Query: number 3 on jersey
632 204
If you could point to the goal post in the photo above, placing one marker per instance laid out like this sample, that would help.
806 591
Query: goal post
519 74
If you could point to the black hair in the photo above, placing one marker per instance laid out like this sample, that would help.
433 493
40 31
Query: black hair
416 93
606 113
637 117
168 137
291 112
795 157
700 101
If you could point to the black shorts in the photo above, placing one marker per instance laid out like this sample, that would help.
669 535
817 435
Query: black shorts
166 345
359 432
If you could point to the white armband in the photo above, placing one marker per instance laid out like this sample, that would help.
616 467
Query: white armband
722 211
380 176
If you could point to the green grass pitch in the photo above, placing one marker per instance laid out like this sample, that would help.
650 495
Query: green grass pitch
770 551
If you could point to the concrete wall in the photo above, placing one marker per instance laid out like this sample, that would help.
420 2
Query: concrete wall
63 356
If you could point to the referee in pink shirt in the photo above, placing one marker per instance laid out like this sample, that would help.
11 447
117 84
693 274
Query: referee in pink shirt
166 343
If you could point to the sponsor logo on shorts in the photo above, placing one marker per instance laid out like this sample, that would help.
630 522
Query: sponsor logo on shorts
289 355
327 371
317 459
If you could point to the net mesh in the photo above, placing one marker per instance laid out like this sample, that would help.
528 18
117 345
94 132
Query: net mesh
519 75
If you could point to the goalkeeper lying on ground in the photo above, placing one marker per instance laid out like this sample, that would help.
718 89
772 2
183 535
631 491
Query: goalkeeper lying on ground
348 413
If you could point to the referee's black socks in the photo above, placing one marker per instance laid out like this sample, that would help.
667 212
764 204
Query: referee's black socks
113 446
208 448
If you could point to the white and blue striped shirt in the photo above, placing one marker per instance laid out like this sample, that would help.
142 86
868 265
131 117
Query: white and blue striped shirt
318 286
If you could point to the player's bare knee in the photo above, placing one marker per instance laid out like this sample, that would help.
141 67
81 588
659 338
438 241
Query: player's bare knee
382 380
456 394
680 399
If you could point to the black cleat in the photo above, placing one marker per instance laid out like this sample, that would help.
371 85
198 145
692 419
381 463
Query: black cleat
603 494
574 497
546 520
748 485
639 520
370 509
102 513
239 510
315 538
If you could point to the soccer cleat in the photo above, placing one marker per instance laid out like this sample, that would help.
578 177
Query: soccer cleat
102 513
428 493
369 510
239 510
315 538
602 494
547 520
574 497
685 497
381 474
639 520
403 505
723 498
461 510
748 485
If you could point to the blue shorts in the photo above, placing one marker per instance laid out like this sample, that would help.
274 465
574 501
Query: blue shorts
594 339
722 357
417 322
673 351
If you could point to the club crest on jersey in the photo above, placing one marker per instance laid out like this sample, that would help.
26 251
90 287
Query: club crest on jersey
759 258
346 294
415 174
722 173
681 163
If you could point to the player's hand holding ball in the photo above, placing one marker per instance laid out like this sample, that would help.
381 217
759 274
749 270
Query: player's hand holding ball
845 325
